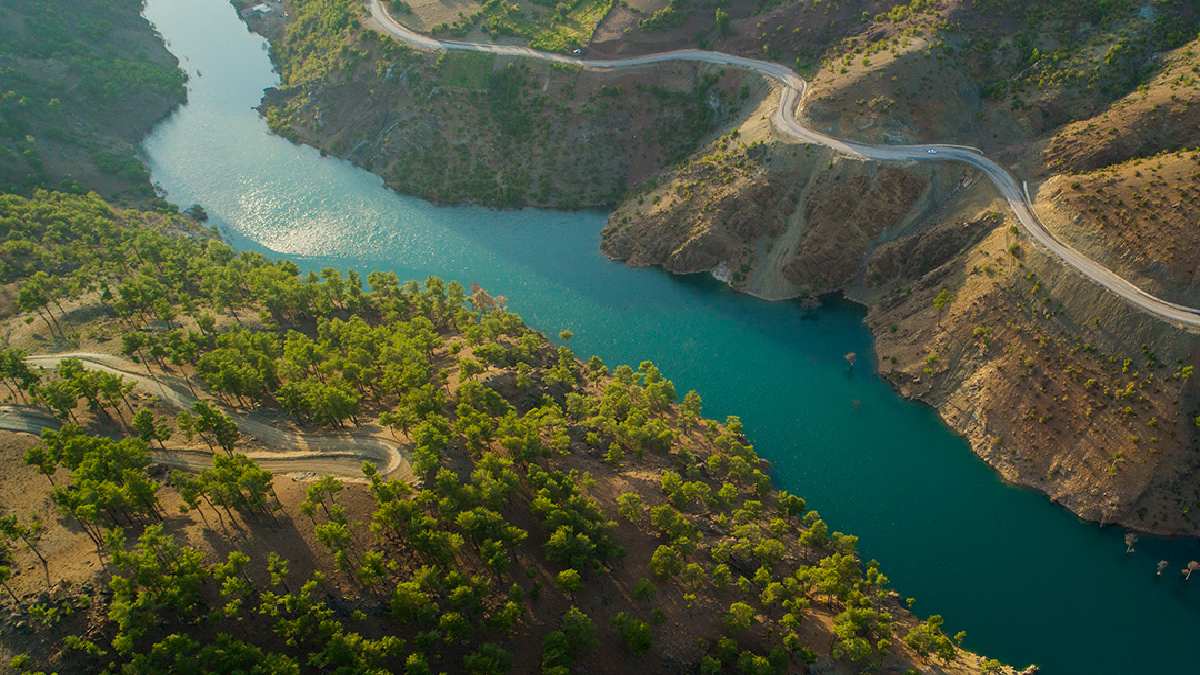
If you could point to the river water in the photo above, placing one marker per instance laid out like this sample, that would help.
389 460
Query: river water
1027 580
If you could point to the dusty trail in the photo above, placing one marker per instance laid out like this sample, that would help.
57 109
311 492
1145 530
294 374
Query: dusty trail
339 454
785 121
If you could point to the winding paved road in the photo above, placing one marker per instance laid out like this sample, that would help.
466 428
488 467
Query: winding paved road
786 122
338 454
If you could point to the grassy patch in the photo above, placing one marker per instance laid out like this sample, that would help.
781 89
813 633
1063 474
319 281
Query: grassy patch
549 27
466 69
574 30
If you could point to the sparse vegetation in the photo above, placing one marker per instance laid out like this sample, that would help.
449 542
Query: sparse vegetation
76 96
505 481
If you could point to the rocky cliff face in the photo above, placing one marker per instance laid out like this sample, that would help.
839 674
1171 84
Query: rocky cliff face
1057 384
762 211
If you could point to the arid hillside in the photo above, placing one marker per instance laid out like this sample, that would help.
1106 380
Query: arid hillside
775 219
1057 384
1138 216
542 512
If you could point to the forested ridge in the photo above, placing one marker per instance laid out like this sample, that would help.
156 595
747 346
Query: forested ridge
555 505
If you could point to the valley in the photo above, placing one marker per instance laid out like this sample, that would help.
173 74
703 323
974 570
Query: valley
1047 325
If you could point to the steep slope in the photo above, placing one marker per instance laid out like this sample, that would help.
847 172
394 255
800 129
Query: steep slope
1044 88
475 128
1115 438
1160 116
561 515
777 220
81 83
1057 384
995 73
1138 217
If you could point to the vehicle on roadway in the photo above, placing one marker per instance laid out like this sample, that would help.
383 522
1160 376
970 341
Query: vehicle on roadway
932 151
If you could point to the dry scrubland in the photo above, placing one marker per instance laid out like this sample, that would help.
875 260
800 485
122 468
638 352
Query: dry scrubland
1056 384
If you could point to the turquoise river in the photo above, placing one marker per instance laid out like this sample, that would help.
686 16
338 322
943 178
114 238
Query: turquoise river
1027 580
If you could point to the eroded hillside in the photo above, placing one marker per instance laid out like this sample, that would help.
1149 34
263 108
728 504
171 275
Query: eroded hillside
1058 384
776 219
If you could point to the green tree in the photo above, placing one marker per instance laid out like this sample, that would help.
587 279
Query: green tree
155 577
575 635
151 429
28 533
692 408
17 376
740 617
178 653
210 424
630 506
635 633
927 638
489 659
570 581
35 295
61 397
6 572
666 562
721 21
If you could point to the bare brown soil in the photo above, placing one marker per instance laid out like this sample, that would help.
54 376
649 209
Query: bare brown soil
1025 359
791 33
1162 116
1046 377
1138 217
779 220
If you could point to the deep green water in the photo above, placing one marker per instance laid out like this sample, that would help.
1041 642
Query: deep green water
1027 580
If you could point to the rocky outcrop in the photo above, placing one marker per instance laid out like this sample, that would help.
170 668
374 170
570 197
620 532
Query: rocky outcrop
1057 384
781 220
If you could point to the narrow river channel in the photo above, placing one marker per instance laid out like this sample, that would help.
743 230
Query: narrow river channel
1027 580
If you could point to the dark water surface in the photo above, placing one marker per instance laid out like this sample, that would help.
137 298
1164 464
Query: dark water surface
1025 579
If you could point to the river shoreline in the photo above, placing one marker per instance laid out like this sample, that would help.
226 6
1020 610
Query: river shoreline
872 462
